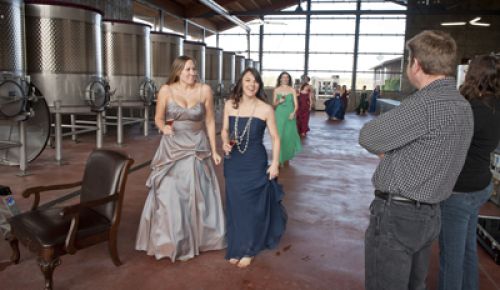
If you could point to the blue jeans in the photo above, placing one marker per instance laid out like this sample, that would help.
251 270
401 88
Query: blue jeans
398 244
457 241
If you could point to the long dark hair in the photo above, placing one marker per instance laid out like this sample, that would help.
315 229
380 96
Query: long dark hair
482 79
238 89
177 67
305 82
278 83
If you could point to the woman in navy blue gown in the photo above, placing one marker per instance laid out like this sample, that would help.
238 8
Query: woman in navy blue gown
333 106
256 218
373 99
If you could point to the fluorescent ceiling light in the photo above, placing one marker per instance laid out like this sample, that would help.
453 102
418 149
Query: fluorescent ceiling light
453 23
475 22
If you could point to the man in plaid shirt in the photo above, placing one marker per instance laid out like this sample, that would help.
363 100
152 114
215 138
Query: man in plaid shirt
422 145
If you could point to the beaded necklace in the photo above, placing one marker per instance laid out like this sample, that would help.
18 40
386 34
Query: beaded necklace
246 130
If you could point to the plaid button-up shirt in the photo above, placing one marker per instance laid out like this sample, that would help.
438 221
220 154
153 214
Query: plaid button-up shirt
425 142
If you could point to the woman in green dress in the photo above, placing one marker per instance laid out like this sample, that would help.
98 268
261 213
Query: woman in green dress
286 104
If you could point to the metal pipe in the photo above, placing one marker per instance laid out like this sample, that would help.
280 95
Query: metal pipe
146 120
73 123
224 13
365 12
98 136
162 20
22 151
82 131
58 130
119 129
104 127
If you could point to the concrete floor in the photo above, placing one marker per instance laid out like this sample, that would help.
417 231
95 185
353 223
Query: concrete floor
328 191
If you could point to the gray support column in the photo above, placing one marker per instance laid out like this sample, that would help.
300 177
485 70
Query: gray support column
307 38
248 44
217 40
356 46
186 29
261 44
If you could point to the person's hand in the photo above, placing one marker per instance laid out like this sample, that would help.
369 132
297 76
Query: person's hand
226 148
216 158
273 171
292 116
167 130
381 155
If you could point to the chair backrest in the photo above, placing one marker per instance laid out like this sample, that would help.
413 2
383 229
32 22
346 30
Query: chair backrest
105 174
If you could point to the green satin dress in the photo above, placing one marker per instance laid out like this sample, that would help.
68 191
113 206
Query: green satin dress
287 129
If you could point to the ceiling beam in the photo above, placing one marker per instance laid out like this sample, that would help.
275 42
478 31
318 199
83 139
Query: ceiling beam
220 10
171 7
197 10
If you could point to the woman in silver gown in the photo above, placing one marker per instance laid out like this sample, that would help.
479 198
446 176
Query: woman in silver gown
183 213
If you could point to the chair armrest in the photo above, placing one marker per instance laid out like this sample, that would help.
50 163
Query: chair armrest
74 209
74 212
37 189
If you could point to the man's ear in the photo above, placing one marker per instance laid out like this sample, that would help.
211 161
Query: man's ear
416 66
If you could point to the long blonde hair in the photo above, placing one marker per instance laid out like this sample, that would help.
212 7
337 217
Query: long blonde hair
177 67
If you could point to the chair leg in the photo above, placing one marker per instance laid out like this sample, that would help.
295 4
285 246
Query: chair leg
113 250
48 262
14 245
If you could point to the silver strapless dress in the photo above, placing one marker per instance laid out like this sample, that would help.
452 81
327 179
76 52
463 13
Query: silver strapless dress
183 213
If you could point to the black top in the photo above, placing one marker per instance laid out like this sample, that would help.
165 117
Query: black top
476 173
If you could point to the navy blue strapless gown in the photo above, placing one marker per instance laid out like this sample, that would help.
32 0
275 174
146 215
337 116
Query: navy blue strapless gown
255 216
334 107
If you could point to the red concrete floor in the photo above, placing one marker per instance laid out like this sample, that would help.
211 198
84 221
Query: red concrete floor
328 191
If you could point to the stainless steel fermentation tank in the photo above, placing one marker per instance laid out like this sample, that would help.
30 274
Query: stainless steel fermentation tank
239 67
213 74
127 67
165 47
248 63
256 65
196 50
22 113
64 60
228 73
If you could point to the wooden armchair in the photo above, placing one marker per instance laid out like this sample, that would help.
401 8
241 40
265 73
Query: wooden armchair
54 232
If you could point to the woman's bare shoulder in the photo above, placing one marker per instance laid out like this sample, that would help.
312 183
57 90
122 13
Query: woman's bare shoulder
229 105
204 87
264 108
165 91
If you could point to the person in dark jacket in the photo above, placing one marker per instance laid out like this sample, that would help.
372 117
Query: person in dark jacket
363 103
